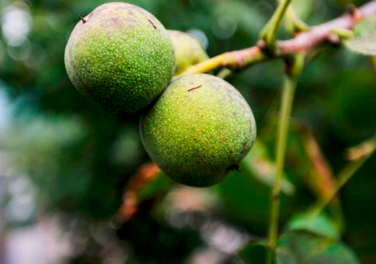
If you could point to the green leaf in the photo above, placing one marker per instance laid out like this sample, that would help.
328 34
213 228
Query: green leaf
319 224
303 247
254 253
364 40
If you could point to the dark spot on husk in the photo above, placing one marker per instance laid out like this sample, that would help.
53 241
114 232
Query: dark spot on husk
151 22
82 19
194 88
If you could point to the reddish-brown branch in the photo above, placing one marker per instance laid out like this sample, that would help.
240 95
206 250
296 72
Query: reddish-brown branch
130 201
308 40
303 42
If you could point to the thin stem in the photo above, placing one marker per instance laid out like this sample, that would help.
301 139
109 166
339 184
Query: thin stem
343 177
224 73
294 23
208 65
290 84
364 149
343 33
347 173
269 32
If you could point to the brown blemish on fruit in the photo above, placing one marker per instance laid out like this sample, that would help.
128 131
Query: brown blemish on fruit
151 22
194 88
82 19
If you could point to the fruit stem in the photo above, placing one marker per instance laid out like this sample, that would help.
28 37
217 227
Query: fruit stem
224 73
232 60
269 32
289 87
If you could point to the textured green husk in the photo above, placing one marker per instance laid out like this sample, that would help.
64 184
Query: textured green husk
200 128
120 56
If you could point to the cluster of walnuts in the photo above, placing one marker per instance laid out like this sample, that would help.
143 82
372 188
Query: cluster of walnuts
195 127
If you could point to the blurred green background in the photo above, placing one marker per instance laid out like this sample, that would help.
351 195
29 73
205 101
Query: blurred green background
66 163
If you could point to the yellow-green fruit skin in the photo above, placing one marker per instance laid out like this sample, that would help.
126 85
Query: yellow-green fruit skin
121 56
188 50
199 128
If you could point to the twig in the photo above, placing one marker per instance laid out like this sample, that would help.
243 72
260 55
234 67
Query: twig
362 150
294 23
233 60
344 176
269 32
303 42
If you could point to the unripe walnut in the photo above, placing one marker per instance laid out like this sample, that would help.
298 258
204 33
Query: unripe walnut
121 56
188 50
199 129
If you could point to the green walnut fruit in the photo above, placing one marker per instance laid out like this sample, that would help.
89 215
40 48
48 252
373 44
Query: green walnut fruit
120 56
188 50
199 129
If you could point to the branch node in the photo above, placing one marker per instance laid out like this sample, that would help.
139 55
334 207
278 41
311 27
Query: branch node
261 44
355 12
267 50
234 60
335 39
288 64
